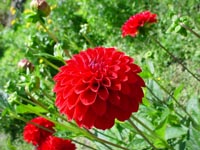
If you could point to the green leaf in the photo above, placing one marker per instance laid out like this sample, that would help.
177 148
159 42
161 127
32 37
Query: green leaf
150 66
194 139
58 51
193 105
177 28
175 132
32 17
21 109
3 100
183 32
177 92
49 56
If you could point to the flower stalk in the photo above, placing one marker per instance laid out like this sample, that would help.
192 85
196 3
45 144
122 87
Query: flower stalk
176 59
189 29
141 133
152 132
181 106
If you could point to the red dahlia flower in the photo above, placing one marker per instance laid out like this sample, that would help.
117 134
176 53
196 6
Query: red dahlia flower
98 85
55 143
134 23
34 131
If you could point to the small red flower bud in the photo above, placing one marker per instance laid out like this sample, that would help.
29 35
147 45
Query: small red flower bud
25 64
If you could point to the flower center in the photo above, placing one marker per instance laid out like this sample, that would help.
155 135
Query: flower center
97 65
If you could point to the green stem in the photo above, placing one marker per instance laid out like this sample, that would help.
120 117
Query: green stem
152 93
75 141
46 129
53 37
33 123
152 132
189 29
51 64
74 128
109 137
142 134
107 142
181 106
88 40
176 59
33 99
49 33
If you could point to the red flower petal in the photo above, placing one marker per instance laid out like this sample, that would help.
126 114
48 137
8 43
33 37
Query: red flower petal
81 87
103 93
106 82
55 143
88 97
104 123
99 107
94 87
80 111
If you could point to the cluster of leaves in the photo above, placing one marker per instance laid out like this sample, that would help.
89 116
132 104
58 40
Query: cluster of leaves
163 117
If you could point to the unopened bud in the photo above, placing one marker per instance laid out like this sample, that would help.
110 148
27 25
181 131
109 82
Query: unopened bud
24 64
41 6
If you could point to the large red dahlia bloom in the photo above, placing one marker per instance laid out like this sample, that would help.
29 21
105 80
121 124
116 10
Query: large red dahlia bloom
55 143
98 85
34 131
134 23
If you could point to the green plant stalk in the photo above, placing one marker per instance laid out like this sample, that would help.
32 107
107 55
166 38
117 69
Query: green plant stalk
162 101
110 137
51 64
52 36
107 142
170 54
49 98
46 129
75 129
49 33
69 127
176 59
181 106
88 40
189 29
33 123
142 134
75 141
153 133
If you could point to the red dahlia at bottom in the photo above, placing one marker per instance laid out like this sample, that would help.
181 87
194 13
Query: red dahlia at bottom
55 143
134 23
97 86
34 134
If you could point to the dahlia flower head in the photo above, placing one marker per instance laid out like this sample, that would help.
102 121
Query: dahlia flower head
55 143
34 132
97 86
136 22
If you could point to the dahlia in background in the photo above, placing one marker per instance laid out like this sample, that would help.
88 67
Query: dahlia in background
135 23
34 131
97 86
55 143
